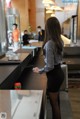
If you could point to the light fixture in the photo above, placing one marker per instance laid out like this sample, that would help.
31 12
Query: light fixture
53 15
48 2
51 5
49 12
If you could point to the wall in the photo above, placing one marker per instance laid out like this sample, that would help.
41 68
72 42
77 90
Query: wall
67 28
59 2
31 12
63 16
22 7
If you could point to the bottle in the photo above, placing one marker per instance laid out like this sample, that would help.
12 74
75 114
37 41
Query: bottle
17 86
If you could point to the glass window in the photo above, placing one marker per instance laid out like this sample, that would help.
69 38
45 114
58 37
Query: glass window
3 41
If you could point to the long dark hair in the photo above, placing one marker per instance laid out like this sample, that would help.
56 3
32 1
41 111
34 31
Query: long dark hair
53 32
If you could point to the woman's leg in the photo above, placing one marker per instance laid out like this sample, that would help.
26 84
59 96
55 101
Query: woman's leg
55 105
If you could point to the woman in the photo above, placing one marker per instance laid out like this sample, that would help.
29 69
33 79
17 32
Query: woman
53 50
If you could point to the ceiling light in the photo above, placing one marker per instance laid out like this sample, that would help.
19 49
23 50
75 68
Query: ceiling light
49 11
52 15
56 8
46 5
48 2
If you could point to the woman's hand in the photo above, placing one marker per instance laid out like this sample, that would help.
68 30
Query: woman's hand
36 70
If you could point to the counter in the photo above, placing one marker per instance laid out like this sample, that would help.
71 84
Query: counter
10 71
23 73
17 104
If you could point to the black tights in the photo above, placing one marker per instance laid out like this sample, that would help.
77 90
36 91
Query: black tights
55 104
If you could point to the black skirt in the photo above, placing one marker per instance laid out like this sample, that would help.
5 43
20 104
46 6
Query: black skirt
55 79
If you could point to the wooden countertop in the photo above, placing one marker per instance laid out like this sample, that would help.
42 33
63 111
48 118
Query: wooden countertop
37 44
22 56
30 77
24 51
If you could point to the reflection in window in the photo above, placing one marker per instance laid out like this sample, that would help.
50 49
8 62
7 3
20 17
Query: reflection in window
3 41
